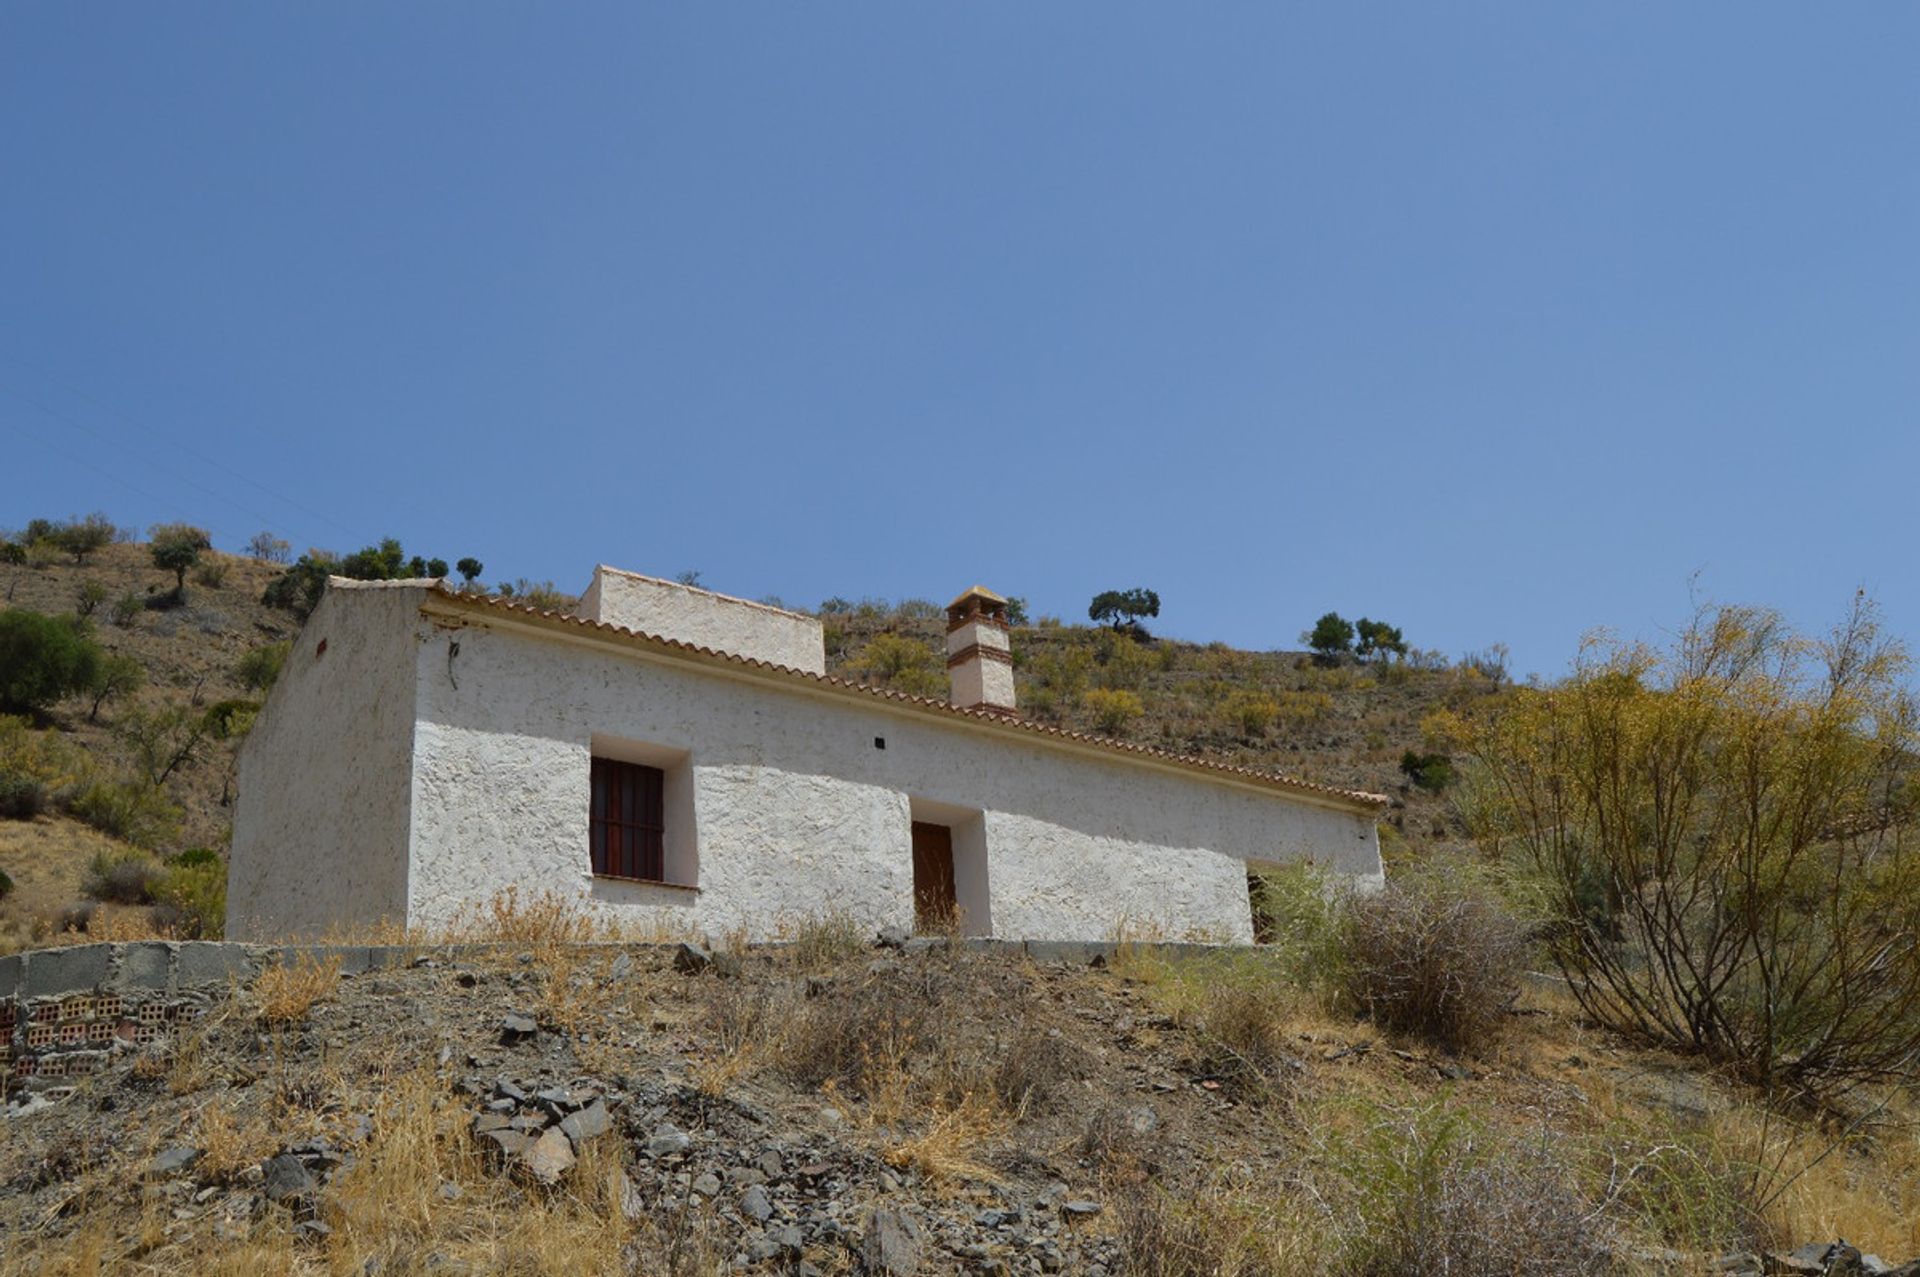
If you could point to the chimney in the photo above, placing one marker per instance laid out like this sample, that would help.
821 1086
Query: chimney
979 657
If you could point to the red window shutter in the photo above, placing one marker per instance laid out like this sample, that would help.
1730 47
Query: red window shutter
627 831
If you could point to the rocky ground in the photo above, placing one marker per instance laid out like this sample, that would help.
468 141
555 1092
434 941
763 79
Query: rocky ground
830 1106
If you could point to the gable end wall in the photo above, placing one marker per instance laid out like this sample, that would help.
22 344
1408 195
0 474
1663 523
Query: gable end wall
320 825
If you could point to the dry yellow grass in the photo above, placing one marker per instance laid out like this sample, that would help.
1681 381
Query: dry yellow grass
947 1150
287 993
1863 1185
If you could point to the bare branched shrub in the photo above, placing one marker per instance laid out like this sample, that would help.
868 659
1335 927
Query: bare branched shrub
1433 954
1244 1026
1727 833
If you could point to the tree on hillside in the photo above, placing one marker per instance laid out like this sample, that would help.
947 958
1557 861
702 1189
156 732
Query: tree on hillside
1122 609
43 660
1330 636
383 562
469 569
268 548
1377 638
176 547
298 589
116 676
79 537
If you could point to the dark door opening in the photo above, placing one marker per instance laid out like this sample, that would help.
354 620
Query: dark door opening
934 902
1265 931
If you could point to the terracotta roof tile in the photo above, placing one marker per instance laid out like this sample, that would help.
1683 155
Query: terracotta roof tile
493 603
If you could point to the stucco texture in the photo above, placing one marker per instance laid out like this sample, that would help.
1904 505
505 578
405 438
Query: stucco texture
320 825
693 615
797 809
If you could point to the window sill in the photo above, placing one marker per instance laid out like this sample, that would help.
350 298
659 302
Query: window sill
646 882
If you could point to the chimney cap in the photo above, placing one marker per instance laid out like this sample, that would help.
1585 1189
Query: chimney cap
975 594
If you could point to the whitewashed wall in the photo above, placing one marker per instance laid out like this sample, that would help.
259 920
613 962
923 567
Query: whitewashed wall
692 615
796 809
321 817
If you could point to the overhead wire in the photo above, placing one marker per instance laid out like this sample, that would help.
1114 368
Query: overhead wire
271 523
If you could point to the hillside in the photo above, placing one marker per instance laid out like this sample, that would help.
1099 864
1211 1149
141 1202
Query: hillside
829 1106
1346 724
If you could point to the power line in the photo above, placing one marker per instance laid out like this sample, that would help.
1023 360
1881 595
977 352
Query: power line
156 436
161 502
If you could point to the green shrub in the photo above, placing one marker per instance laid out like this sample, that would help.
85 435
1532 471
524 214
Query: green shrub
190 900
904 664
42 660
125 876
1113 711
1431 772
126 609
193 857
230 720
1435 953
130 809
39 766
1123 663
258 669
22 797
1056 678
1296 912
298 589
89 596
1250 712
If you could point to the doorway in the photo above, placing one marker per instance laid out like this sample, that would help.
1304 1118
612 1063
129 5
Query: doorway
934 899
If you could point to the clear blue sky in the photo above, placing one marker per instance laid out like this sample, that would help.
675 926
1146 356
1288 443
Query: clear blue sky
1499 321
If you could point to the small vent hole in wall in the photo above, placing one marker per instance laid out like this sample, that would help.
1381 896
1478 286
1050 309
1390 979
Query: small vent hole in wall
879 742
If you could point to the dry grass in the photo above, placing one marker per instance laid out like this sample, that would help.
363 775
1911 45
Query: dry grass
417 1198
1861 1182
824 938
946 1150
286 994
1216 1231
228 1147
1036 1067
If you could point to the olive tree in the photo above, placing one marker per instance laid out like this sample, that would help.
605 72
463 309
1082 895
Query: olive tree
175 548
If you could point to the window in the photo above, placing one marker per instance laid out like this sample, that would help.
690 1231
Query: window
628 831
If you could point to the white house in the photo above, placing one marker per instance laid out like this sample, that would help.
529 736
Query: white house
676 757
